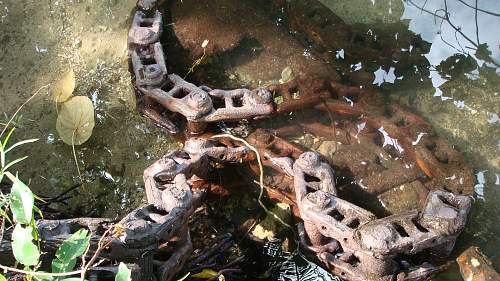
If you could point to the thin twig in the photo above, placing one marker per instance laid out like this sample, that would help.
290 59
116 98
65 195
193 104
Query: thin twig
2 229
195 64
224 271
37 273
56 198
100 247
235 261
261 176
478 9
82 271
459 30
19 109
477 27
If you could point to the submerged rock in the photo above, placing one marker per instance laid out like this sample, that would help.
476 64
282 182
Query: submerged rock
270 227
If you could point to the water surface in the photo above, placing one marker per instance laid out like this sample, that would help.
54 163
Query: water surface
452 82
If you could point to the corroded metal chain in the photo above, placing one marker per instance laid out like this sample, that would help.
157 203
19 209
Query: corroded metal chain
353 244
199 105
345 238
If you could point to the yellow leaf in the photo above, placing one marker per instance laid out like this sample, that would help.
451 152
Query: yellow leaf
76 120
286 75
63 89
205 273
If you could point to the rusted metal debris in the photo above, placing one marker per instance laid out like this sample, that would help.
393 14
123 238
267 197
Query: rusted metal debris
345 243
325 32
344 238
355 245
475 266
156 238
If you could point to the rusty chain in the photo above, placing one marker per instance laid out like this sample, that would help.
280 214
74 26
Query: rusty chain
345 238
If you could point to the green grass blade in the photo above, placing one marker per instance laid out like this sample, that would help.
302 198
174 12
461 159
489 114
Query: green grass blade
10 164
20 143
6 140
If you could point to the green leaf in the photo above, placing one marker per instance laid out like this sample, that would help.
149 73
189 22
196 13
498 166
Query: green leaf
19 144
6 140
286 75
36 209
22 201
23 248
2 157
70 249
206 273
72 279
2 278
123 273
14 162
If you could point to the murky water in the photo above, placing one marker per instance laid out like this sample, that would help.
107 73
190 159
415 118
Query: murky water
41 40
451 77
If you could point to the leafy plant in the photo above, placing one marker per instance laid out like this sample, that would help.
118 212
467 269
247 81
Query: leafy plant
70 250
21 203
18 208
123 273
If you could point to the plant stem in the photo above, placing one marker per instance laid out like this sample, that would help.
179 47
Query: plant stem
74 155
34 273
19 109
261 176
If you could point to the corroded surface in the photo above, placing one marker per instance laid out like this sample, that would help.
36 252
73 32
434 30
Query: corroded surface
475 266
347 239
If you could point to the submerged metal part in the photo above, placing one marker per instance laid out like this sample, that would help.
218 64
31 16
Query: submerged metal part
369 247
343 237
145 30
149 65
474 265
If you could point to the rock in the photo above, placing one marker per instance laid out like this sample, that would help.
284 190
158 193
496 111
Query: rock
328 148
409 196
270 227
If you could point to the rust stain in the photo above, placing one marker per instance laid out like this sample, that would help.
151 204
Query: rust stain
421 164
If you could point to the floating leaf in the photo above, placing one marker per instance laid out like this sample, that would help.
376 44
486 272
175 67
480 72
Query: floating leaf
22 201
76 120
123 273
63 89
70 249
206 273
23 248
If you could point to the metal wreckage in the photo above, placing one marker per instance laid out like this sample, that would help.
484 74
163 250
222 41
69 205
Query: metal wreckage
345 239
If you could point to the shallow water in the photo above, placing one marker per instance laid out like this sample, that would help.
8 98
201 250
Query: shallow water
458 95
